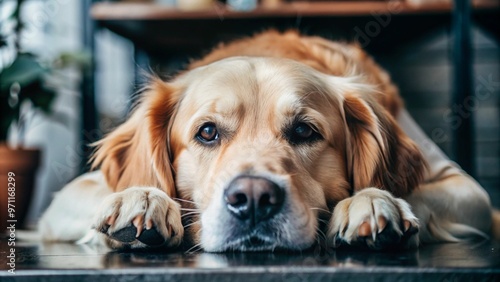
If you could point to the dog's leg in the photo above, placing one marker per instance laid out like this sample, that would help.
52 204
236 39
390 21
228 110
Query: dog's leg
450 204
451 209
140 217
69 216
375 219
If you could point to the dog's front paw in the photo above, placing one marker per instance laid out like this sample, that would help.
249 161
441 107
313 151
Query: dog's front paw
140 217
375 219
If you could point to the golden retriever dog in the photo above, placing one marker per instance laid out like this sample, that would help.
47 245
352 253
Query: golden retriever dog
277 141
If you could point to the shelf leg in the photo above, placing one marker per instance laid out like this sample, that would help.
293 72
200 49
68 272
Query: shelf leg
89 130
463 129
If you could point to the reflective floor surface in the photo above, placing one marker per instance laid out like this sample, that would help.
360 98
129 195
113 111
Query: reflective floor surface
479 261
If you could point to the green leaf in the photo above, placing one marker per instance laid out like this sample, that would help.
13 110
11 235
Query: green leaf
25 70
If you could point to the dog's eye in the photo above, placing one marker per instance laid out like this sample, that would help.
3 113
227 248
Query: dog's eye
301 133
208 133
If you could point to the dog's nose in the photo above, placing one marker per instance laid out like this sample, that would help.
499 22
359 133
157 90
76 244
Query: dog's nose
253 198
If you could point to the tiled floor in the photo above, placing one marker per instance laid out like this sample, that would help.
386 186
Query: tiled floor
66 262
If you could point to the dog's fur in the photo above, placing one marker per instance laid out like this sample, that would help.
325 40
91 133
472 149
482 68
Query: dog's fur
370 174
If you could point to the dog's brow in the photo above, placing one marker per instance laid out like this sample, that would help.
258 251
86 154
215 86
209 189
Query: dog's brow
288 105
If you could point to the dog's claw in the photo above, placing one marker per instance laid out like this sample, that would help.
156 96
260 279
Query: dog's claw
364 229
111 220
382 223
149 224
138 222
407 225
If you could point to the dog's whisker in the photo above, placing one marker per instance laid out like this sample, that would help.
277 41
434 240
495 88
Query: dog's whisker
320 233
320 209
190 213
323 221
186 226
184 209
194 248
184 200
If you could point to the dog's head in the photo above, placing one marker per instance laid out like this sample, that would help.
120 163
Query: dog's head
262 147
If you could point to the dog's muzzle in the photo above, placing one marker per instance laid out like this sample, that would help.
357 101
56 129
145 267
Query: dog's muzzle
256 213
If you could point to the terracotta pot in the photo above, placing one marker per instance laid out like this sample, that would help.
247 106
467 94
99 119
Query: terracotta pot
23 163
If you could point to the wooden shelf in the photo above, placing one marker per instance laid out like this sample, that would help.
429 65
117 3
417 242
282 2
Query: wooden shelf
163 31
137 11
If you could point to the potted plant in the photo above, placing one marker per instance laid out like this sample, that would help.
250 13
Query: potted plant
23 92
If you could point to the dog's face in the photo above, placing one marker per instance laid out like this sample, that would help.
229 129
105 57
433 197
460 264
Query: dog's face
256 150
262 147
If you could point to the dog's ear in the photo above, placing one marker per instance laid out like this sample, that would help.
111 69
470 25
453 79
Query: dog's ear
137 152
379 154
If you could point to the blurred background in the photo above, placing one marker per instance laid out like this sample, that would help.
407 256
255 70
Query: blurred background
69 70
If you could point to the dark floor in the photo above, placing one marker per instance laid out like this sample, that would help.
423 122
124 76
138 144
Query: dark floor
66 262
